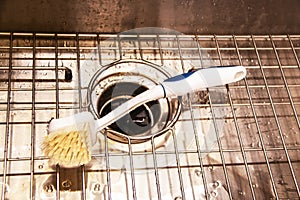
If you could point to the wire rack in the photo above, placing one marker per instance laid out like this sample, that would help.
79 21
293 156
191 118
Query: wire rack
256 155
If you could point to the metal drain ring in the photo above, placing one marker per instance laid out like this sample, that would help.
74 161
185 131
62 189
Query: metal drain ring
173 105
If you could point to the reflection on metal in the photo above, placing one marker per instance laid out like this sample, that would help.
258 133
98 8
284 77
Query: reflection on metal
239 141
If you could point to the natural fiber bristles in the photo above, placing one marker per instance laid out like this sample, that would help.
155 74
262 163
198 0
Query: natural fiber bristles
67 147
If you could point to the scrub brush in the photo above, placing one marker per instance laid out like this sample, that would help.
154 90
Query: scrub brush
68 142
70 139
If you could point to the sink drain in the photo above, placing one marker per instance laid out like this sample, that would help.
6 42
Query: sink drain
138 121
118 82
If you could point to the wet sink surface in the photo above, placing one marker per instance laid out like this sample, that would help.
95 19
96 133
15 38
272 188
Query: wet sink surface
202 17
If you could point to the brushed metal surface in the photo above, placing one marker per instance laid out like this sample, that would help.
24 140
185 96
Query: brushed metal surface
187 16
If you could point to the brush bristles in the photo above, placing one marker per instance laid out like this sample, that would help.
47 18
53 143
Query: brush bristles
67 148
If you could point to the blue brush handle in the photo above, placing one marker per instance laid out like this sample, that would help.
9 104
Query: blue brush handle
201 79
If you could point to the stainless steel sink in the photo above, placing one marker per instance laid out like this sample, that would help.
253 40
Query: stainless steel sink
187 16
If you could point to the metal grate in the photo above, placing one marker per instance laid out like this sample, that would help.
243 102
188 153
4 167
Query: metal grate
256 152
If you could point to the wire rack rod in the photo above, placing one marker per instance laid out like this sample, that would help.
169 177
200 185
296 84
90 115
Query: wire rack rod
277 120
258 129
239 134
259 137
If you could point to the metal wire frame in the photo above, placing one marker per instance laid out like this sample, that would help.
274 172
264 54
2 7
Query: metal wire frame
275 114
7 119
256 121
214 41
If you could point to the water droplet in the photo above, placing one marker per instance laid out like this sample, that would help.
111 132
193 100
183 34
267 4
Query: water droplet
242 193
258 144
216 184
213 193
66 184
198 172
48 188
281 182
97 187
281 158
